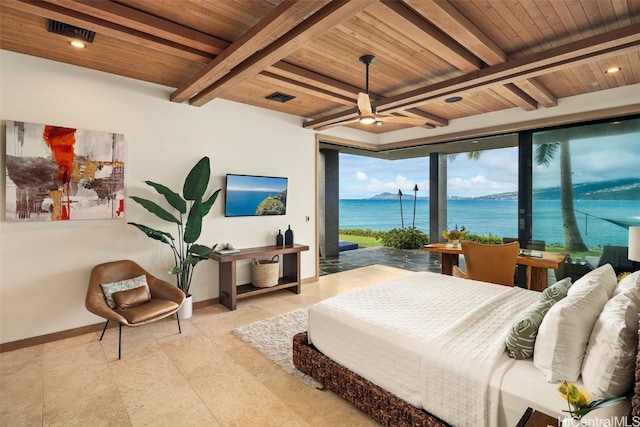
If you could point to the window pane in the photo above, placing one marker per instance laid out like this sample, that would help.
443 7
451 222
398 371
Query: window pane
586 189
482 192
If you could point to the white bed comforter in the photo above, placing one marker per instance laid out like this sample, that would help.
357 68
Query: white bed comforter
459 362
430 339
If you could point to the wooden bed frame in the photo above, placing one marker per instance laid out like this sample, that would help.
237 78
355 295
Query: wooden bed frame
381 405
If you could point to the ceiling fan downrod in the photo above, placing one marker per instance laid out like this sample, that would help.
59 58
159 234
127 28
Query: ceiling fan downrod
367 60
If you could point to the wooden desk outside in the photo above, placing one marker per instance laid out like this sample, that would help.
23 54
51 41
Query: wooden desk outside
536 267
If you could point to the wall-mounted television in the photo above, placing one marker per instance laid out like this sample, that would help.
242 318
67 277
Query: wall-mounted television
250 195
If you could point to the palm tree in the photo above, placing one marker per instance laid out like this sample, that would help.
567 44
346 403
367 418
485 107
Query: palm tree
544 154
548 143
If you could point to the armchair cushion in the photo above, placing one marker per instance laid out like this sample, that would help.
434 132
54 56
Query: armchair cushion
153 308
131 297
122 285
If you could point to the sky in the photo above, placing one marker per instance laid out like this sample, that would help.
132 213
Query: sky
496 171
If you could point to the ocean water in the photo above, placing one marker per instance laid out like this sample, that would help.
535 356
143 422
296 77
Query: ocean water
245 203
498 217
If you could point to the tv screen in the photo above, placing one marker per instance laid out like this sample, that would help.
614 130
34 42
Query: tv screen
249 195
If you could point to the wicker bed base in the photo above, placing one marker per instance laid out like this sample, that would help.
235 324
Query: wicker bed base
381 405
384 407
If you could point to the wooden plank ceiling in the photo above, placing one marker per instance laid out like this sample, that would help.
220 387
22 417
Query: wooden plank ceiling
494 54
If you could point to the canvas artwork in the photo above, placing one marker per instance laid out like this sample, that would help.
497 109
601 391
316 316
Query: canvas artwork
57 173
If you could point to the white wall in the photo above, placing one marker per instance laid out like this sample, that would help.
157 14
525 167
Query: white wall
45 266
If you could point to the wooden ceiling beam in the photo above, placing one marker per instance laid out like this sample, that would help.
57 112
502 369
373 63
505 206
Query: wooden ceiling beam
455 25
281 20
101 26
313 79
516 96
145 23
297 86
539 92
583 51
423 32
431 118
334 13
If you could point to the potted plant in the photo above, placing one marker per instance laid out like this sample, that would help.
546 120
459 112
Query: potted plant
186 252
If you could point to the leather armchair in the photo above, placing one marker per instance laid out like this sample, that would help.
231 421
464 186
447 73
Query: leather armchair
165 298
489 263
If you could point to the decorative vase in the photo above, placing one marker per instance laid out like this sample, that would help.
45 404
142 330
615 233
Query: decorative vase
186 309
288 237
279 239
455 242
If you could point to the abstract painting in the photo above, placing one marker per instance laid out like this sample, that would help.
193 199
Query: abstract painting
57 173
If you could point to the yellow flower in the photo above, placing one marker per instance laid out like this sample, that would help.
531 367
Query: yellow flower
454 234
580 402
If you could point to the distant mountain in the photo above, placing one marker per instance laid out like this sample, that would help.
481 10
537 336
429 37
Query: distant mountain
390 196
615 189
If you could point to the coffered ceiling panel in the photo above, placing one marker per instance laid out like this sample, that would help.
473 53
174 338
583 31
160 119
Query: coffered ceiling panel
493 54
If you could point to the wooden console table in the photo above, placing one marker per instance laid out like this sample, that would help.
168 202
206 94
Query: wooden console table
230 292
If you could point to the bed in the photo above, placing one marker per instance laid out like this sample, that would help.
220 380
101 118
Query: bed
377 347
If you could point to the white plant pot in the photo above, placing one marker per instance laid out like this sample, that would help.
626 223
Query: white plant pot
186 309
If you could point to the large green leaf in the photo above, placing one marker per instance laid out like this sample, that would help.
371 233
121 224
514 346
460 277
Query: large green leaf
154 234
201 250
173 198
206 206
197 181
194 223
156 209
545 153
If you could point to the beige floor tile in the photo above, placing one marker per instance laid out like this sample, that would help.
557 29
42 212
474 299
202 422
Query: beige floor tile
204 376
152 388
21 387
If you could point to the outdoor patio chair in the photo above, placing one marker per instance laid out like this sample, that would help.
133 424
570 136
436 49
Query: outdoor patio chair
489 263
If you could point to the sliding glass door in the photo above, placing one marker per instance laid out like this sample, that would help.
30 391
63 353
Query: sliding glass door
586 191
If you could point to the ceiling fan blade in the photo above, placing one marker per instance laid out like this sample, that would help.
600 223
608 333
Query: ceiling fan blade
364 105
401 119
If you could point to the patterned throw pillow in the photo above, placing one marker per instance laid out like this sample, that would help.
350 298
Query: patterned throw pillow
108 289
557 291
521 338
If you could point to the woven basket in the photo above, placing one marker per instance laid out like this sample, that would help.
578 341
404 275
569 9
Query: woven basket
264 273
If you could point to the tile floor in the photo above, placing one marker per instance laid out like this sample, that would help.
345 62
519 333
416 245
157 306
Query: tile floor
406 259
204 376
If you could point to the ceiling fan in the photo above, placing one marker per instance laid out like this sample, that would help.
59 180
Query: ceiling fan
367 113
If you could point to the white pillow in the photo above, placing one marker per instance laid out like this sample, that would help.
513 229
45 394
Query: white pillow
630 282
610 359
566 328
108 289
601 276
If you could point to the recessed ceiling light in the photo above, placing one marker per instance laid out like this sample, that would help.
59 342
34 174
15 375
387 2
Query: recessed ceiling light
77 44
613 70
453 99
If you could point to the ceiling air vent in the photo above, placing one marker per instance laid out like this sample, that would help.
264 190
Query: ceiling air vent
61 28
279 97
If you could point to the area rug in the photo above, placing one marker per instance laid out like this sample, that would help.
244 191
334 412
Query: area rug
273 337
